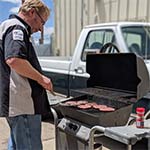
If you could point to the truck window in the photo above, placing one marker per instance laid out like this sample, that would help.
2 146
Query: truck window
95 40
109 37
137 39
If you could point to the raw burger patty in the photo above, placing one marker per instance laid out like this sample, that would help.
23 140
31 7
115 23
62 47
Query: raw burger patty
82 102
71 103
97 106
107 109
86 106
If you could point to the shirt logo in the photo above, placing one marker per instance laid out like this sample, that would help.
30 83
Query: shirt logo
17 35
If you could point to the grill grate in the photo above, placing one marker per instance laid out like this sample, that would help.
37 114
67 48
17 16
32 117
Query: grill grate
105 94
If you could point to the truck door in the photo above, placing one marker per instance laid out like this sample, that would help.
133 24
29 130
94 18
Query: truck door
93 43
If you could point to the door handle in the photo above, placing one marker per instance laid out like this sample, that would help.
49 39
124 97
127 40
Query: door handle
79 70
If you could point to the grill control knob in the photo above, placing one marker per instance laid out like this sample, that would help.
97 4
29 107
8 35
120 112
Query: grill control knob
73 126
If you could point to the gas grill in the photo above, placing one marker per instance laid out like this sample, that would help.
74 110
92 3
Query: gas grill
93 116
116 80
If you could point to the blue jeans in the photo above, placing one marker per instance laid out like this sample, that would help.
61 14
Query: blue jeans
25 132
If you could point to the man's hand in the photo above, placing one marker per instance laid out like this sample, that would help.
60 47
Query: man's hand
46 83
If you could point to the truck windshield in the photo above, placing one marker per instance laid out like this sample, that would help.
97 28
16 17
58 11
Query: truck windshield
137 39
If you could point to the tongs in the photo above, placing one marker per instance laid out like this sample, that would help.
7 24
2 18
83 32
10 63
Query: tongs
53 93
55 97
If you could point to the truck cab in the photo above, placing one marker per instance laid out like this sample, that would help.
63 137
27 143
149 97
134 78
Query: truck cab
129 37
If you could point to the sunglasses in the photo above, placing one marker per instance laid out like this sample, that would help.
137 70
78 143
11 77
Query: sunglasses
42 20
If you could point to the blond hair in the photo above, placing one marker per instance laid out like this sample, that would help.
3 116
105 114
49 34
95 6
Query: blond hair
37 4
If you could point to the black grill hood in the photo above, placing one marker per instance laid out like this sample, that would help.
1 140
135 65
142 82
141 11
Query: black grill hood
123 71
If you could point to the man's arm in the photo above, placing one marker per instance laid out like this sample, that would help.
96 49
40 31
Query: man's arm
24 68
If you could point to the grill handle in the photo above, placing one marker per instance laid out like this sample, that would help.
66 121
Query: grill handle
91 136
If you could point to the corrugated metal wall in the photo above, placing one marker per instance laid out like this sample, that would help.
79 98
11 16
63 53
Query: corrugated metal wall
72 15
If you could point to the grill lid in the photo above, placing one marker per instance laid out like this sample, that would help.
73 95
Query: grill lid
123 71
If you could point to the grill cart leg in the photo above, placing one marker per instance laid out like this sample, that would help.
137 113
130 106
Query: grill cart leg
148 143
129 147
55 123
91 136
55 116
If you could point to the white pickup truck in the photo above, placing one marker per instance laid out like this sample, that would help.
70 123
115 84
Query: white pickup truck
70 73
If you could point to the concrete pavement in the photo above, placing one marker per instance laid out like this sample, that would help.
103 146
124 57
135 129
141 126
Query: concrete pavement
48 135
48 129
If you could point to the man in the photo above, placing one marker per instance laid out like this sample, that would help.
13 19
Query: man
23 96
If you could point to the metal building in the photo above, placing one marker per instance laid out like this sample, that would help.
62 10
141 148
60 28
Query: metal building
72 15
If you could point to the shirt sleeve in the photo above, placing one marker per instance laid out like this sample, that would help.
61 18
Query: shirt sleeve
15 43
